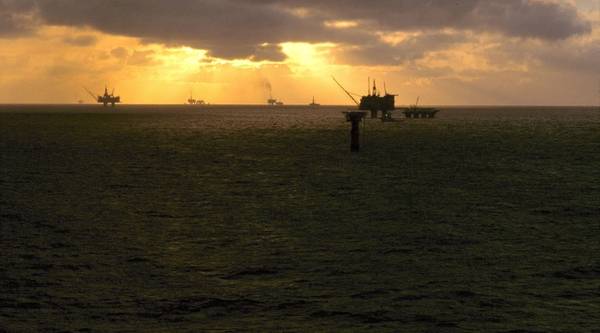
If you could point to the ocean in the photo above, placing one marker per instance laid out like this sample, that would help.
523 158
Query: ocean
256 218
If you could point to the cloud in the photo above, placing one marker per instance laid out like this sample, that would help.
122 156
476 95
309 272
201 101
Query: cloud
240 28
16 18
516 18
142 58
227 29
409 49
268 52
119 53
81 40
576 56
62 70
541 32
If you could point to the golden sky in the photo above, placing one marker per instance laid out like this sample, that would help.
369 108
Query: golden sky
522 52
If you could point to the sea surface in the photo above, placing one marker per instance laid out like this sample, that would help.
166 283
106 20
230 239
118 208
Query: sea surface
259 219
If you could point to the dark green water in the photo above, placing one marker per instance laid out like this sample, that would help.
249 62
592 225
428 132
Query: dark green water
228 219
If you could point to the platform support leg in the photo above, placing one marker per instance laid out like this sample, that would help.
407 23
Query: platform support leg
355 136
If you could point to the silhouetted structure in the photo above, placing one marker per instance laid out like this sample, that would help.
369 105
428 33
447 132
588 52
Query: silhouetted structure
313 104
106 98
193 101
374 102
415 111
599 79
272 101
355 117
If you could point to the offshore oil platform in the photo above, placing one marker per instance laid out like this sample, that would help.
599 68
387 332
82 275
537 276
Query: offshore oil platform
375 102
106 98
193 101
313 104
414 111
271 101
274 102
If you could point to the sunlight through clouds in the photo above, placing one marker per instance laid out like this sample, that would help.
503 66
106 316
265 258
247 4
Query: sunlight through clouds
299 45
307 59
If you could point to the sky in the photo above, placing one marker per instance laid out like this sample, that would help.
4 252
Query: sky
448 52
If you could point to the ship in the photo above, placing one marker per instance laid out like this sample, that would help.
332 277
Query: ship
106 98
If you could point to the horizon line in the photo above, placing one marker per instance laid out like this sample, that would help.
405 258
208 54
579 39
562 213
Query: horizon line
289 105
294 105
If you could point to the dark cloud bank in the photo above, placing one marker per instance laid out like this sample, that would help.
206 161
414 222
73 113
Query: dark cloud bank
253 28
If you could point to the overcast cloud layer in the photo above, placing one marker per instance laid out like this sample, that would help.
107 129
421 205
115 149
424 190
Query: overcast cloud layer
243 28
451 51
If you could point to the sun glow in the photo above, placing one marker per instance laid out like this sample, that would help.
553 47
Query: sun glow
53 65
184 58
341 24
306 58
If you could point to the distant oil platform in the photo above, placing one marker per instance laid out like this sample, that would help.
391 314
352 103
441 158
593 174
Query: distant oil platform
274 102
193 101
313 104
414 111
106 98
